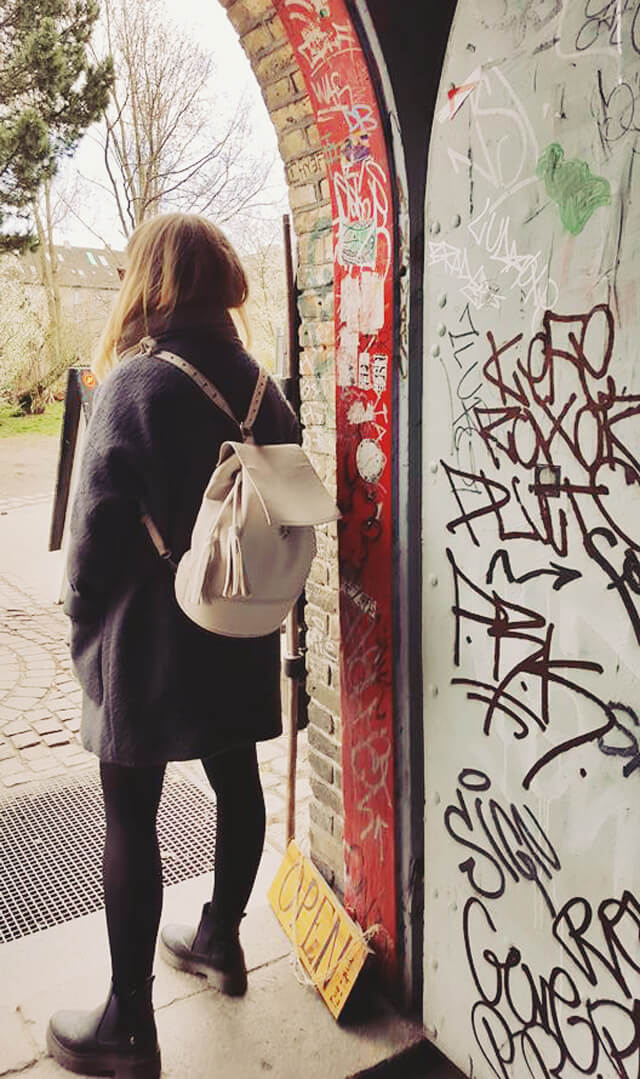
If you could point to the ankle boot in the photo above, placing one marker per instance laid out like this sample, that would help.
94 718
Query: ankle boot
212 950
119 1038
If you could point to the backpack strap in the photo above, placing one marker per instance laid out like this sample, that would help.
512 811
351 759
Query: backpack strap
254 407
148 345
246 427
205 385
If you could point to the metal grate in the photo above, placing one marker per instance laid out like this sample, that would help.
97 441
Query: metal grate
51 849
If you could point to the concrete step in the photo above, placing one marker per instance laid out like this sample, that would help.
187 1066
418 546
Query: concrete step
280 1028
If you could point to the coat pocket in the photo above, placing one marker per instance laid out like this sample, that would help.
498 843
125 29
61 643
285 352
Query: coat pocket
86 656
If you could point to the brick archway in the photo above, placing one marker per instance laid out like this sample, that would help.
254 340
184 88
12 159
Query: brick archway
316 83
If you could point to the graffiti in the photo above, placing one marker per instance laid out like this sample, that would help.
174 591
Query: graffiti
365 674
573 187
523 1020
587 425
519 690
625 582
562 575
304 169
360 598
363 210
495 107
604 21
531 1024
464 397
321 40
478 290
626 722
519 19
530 273
616 110
532 480
505 843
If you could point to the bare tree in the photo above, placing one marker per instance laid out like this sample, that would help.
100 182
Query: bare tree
165 143
45 220
260 243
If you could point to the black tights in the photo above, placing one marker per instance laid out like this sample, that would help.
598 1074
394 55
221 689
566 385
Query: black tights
132 871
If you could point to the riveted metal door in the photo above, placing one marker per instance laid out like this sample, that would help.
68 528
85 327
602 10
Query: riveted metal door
531 536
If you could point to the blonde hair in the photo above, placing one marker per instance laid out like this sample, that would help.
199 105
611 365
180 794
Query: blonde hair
173 261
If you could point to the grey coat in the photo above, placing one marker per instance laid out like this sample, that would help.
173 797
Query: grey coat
156 686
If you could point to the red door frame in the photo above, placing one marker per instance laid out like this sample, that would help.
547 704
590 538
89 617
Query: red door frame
343 97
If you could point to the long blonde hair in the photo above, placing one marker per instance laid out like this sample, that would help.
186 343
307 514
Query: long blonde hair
174 261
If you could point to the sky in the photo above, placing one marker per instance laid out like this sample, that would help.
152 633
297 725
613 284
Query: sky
208 22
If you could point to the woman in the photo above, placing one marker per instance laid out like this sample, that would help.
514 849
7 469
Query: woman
156 687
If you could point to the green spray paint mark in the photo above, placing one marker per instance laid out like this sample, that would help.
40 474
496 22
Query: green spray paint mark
572 185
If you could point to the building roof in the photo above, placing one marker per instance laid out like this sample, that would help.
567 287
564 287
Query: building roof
78 267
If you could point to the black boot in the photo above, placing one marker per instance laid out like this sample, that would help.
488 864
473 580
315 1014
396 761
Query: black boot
118 1039
212 949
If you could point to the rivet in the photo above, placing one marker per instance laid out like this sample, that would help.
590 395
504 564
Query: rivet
435 964
436 893
433 690
433 467
435 351
433 580
436 799
456 221
453 907
435 228
442 329
442 300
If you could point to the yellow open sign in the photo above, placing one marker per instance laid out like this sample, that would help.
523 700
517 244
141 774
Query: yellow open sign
330 946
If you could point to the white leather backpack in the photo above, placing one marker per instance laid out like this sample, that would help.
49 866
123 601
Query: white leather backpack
253 541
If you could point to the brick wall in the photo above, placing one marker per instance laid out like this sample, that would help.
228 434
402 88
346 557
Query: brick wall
264 39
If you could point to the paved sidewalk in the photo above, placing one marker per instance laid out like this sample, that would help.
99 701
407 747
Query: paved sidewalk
39 696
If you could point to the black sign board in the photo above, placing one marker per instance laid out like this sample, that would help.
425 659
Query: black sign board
81 387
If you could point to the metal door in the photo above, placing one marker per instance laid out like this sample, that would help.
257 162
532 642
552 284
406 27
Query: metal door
531 536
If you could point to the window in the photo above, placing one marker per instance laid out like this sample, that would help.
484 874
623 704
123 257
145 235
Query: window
92 258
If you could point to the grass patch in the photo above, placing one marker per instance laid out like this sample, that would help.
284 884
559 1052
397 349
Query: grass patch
48 423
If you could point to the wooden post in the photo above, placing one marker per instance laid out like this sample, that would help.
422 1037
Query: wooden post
293 660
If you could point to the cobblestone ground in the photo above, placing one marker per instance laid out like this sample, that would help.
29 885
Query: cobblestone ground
39 696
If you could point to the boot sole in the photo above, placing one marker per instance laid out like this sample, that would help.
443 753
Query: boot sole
103 1063
233 983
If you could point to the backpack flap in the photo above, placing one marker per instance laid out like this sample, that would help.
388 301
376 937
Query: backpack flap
253 541
285 481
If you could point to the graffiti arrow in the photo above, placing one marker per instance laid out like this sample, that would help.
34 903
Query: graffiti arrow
563 574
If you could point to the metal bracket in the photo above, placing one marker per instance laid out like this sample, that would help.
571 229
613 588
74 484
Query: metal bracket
294 667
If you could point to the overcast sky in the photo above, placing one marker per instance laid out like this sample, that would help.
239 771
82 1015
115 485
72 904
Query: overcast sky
209 23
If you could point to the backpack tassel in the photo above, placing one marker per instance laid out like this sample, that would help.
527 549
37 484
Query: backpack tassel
235 583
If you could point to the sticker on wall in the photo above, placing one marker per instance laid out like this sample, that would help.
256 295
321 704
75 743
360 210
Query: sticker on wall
364 371
370 460
347 360
361 413
371 302
357 243
380 366
350 302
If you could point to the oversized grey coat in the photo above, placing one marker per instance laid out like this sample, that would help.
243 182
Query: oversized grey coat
156 686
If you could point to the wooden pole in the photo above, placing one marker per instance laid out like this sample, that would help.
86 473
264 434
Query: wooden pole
293 659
